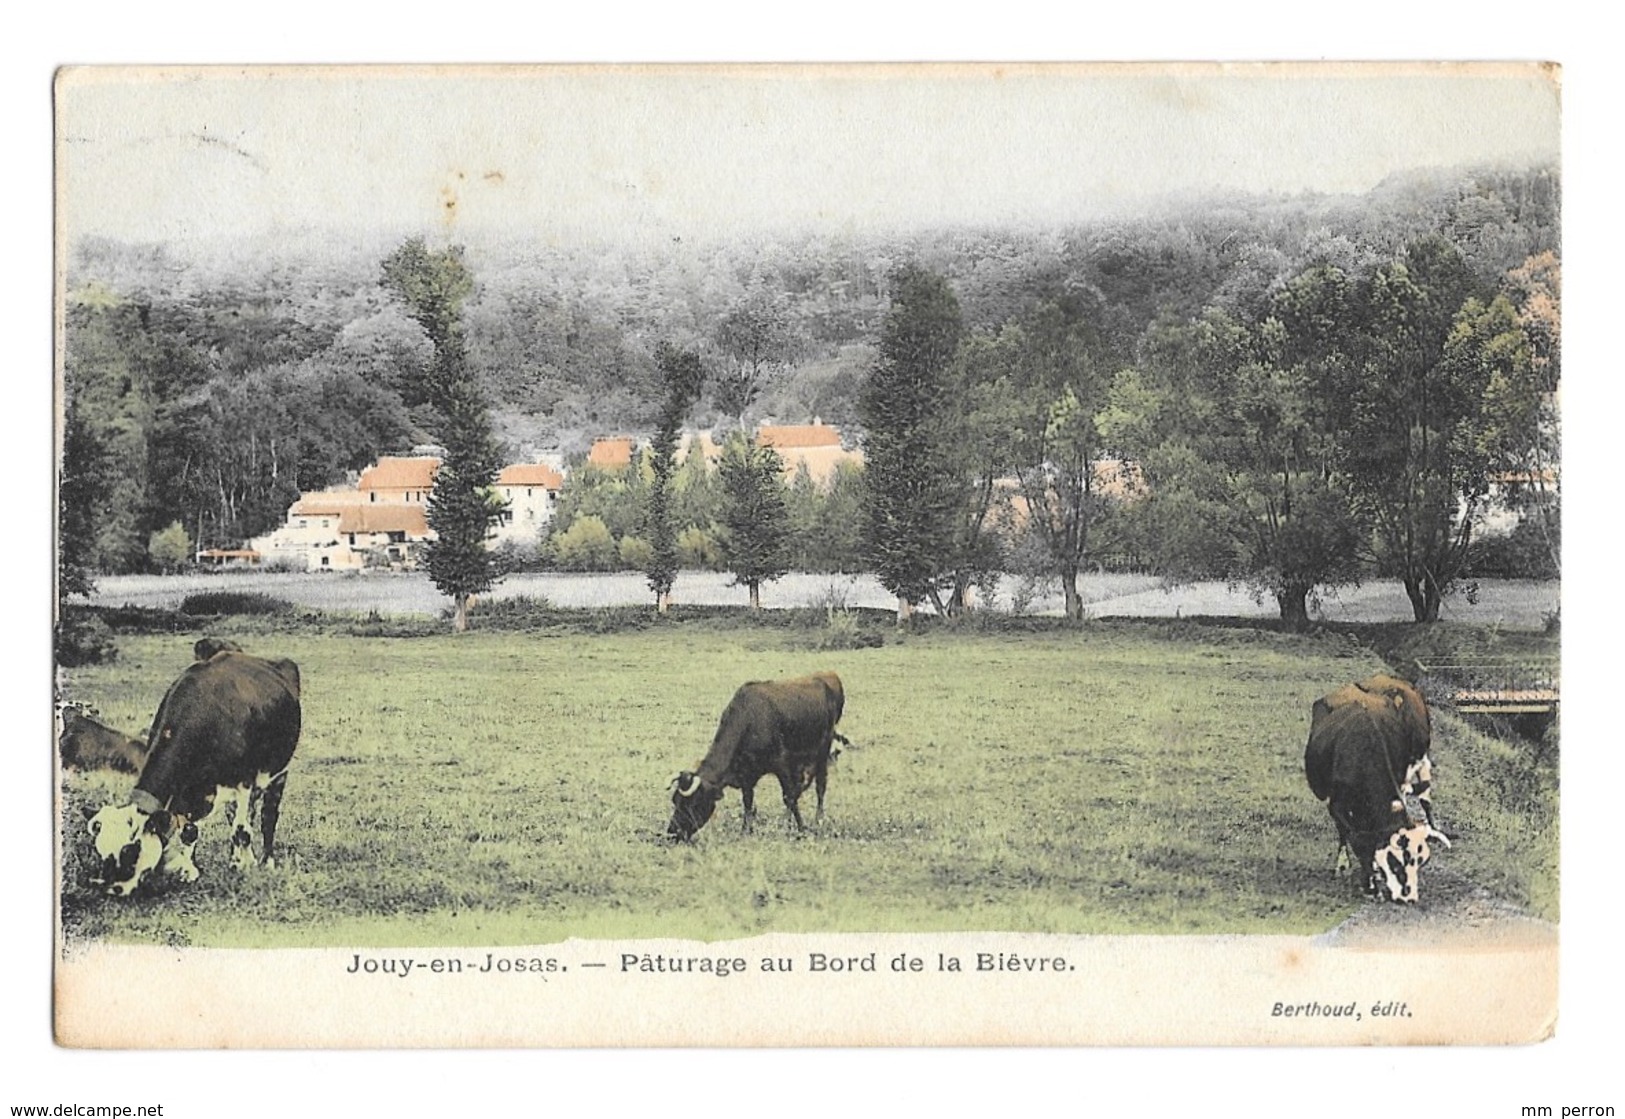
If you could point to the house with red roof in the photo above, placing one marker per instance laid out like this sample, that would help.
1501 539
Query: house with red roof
531 490
347 530
817 446
612 453
399 480
383 522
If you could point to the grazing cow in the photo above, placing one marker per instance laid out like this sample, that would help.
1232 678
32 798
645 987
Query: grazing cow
782 727
1405 699
226 730
86 744
1362 752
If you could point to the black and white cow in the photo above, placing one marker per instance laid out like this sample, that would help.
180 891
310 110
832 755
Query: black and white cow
1368 761
225 733
782 727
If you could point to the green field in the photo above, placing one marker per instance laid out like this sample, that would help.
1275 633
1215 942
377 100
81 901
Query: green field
500 788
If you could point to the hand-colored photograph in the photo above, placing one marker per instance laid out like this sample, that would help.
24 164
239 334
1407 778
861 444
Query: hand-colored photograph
1032 554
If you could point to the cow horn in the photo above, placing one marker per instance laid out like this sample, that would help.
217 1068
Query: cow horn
1435 833
691 788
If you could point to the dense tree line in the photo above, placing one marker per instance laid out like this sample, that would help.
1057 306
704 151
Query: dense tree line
1289 376
1352 423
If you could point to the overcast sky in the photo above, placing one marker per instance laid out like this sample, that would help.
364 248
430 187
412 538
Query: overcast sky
639 153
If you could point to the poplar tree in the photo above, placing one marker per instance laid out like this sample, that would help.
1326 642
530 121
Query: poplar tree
682 375
463 504
912 492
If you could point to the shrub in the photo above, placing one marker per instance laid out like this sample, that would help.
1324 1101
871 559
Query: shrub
1524 553
637 554
836 595
842 631
587 545
698 548
233 602
519 608
170 548
83 638
512 555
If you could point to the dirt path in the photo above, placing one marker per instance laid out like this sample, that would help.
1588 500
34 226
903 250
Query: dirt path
1453 913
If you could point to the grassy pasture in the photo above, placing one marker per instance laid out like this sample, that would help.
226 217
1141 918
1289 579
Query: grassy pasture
502 788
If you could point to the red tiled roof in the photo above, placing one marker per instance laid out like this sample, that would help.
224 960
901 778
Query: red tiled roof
409 519
531 474
400 474
611 452
800 435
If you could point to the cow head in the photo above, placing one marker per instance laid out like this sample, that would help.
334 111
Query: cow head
692 803
208 647
129 843
1396 867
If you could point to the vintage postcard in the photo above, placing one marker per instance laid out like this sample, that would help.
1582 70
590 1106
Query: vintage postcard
591 556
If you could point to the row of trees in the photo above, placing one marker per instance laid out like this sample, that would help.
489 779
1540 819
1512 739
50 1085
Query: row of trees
1352 422
738 515
218 384
1262 364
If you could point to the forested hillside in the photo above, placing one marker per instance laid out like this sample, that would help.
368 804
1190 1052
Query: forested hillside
210 389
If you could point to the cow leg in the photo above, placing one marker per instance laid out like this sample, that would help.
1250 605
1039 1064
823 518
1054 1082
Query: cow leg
821 771
749 795
178 850
177 859
1419 783
792 795
821 782
1342 862
242 837
270 810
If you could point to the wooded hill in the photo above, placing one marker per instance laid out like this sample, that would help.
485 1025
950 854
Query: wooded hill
210 387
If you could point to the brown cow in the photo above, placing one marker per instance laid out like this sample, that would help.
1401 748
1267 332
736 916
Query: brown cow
1367 759
1404 697
782 727
86 744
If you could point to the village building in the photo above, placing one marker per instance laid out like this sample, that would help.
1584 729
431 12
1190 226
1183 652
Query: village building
227 557
532 493
348 530
816 446
405 480
383 522
612 453
1510 496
